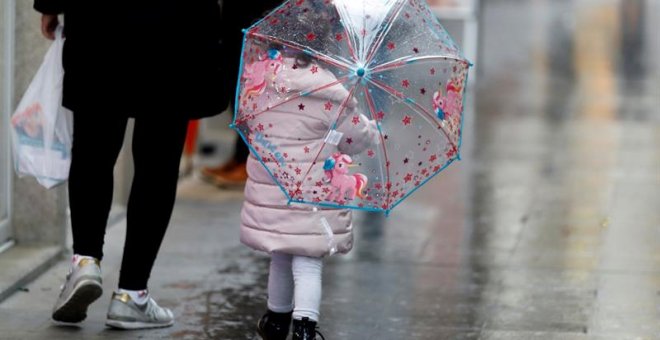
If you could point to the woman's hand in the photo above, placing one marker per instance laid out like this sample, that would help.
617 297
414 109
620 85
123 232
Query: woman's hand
49 23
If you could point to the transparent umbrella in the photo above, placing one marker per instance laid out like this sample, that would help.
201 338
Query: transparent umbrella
351 103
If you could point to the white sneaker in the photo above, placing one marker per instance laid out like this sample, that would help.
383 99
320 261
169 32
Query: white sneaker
82 287
124 313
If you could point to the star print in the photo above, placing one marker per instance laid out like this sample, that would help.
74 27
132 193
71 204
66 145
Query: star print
416 50
298 171
301 107
306 149
437 168
391 46
349 140
319 184
295 66
405 161
422 91
408 178
432 71
371 153
286 155
407 120
339 37
433 158
405 83
380 115
314 69
260 127
356 120
328 106
311 36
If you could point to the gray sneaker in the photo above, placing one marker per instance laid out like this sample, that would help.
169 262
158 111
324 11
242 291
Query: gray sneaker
124 313
82 287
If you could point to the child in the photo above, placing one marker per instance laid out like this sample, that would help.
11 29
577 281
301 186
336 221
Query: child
293 234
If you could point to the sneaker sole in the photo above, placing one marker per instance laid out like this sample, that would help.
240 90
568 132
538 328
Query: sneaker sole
136 325
74 310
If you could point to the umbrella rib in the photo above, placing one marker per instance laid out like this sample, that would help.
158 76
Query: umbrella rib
401 62
343 108
372 109
303 49
303 94
376 46
413 105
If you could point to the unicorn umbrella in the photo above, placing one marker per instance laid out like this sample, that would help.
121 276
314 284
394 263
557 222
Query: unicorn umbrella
351 103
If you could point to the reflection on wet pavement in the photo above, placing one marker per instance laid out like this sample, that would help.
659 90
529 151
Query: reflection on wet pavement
548 229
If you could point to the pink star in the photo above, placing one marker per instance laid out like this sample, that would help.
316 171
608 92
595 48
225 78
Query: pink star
405 83
311 36
298 171
391 46
380 115
260 127
433 158
432 71
406 120
301 107
371 153
306 149
328 106
356 120
339 37
314 69
408 178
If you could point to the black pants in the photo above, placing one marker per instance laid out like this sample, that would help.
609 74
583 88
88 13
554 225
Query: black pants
157 146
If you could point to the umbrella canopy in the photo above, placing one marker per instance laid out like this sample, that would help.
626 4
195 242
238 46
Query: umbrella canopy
351 103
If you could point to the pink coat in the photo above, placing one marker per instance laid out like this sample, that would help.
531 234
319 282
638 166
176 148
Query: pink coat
268 223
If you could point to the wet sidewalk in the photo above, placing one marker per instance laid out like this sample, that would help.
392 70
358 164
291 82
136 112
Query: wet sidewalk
549 228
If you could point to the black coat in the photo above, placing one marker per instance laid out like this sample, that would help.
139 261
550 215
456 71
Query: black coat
137 57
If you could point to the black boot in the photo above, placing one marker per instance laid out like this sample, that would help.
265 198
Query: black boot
305 329
274 326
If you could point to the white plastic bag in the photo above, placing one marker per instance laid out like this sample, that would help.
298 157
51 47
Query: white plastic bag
41 128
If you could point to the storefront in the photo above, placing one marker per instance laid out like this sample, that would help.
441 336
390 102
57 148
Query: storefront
6 74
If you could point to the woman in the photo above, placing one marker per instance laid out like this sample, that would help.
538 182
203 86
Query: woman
153 60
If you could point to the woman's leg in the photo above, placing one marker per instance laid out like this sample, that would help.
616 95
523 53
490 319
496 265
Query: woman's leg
157 147
280 284
97 140
307 275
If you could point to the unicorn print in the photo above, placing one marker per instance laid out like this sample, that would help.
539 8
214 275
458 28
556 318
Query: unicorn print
256 74
345 186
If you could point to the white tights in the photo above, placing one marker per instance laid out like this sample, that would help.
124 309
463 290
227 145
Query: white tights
294 284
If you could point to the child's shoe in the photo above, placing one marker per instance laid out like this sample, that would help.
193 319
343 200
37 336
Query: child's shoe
305 329
274 326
